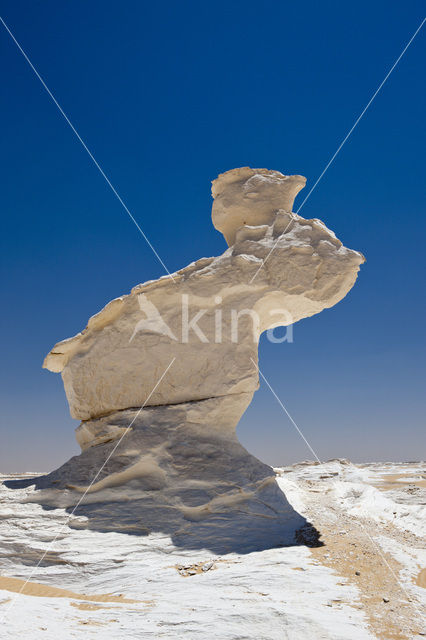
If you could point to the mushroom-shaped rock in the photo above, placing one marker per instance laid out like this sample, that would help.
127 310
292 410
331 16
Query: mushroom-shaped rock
167 370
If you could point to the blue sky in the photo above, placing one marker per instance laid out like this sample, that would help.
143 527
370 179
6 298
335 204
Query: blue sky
167 95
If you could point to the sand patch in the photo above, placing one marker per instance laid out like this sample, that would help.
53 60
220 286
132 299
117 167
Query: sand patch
397 480
420 580
353 557
16 585
87 606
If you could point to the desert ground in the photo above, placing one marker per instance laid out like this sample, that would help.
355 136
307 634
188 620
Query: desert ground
357 571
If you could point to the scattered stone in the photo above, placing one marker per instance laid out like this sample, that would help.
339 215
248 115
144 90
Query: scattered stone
309 536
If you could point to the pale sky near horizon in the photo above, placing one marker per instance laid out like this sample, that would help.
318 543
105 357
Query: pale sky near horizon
167 96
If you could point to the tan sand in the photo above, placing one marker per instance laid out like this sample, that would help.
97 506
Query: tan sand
393 481
421 579
86 606
16 585
348 549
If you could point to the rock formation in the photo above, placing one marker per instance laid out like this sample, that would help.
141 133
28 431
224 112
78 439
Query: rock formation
160 377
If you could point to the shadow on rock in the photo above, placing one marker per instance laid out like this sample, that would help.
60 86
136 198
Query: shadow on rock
204 492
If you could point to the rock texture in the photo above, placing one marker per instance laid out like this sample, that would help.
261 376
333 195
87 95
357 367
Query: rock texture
179 470
113 586
197 333
115 362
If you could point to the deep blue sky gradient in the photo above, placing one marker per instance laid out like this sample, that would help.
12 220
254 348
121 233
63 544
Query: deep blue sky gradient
167 95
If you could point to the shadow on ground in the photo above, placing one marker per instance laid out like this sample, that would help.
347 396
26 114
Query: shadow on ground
203 492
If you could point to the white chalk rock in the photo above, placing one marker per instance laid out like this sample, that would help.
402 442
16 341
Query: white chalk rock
251 197
279 269
178 470
161 377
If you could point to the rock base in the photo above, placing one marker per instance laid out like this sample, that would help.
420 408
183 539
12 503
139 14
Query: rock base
171 474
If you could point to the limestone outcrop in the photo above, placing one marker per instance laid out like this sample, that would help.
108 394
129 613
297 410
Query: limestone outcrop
171 367
115 362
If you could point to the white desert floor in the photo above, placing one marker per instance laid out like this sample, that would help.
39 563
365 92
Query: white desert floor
366 581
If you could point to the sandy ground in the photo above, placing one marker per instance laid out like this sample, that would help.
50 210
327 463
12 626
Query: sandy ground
362 577
352 546
29 588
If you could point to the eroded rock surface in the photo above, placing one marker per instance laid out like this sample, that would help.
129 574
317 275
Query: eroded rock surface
115 362
180 470
172 366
